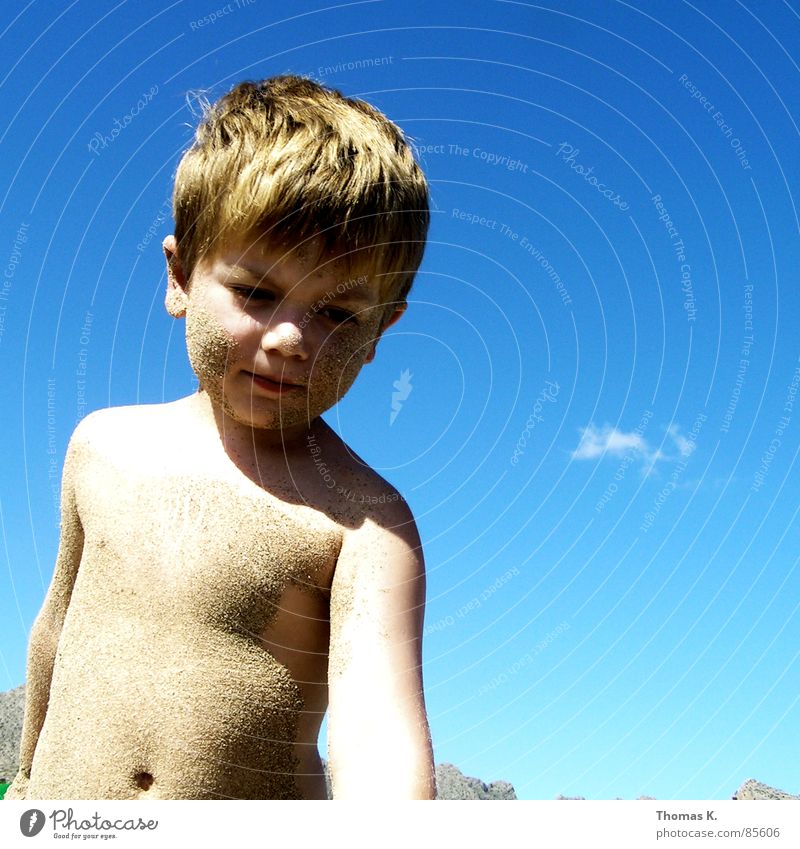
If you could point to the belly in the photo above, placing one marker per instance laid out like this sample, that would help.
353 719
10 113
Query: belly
163 686
214 718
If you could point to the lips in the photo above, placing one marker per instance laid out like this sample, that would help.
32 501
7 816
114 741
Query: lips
272 384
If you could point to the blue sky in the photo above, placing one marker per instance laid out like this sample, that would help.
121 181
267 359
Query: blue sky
599 427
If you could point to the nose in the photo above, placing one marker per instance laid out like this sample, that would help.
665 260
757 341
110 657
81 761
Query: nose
285 338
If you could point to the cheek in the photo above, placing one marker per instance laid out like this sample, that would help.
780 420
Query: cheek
210 347
340 360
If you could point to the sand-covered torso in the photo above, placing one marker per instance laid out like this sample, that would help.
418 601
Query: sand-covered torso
192 661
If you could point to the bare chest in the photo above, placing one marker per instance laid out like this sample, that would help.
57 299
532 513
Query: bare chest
189 548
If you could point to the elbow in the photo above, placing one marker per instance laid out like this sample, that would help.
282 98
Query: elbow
44 637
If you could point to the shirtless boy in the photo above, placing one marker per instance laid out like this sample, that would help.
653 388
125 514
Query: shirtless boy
228 568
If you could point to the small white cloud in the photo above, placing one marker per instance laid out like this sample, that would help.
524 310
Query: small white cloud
611 441
597 442
684 445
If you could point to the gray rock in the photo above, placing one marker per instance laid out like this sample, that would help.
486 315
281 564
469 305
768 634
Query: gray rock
451 783
12 708
753 789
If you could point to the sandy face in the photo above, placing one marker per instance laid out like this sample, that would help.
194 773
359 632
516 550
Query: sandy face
229 337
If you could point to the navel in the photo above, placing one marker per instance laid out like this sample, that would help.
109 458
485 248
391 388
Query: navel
144 780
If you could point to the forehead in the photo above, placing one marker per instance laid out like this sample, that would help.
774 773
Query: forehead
307 266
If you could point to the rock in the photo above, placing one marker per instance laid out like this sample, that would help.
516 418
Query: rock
753 789
451 783
615 799
12 709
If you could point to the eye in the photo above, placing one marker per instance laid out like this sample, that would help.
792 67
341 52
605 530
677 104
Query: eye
338 315
251 294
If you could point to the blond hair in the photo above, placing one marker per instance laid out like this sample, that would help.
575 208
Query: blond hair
293 159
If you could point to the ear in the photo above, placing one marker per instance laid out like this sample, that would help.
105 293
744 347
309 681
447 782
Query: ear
177 289
393 317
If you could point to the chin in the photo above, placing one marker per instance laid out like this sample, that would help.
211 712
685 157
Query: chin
271 419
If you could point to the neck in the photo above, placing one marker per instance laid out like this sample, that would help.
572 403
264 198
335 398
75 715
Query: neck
243 441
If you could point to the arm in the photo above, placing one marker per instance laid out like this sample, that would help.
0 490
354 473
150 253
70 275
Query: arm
378 738
46 628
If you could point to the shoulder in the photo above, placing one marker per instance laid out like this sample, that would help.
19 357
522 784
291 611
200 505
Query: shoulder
127 420
115 429
379 577
94 428
117 446
375 506
99 422
352 475
133 415
385 536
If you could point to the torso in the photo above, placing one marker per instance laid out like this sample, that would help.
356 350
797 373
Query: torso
193 658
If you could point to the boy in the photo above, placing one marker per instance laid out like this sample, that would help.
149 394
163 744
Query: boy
228 568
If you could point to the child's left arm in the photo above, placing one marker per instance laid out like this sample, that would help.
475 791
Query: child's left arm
378 738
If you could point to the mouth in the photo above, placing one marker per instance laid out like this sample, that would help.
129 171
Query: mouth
271 384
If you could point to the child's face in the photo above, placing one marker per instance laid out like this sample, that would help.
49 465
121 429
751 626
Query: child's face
274 338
